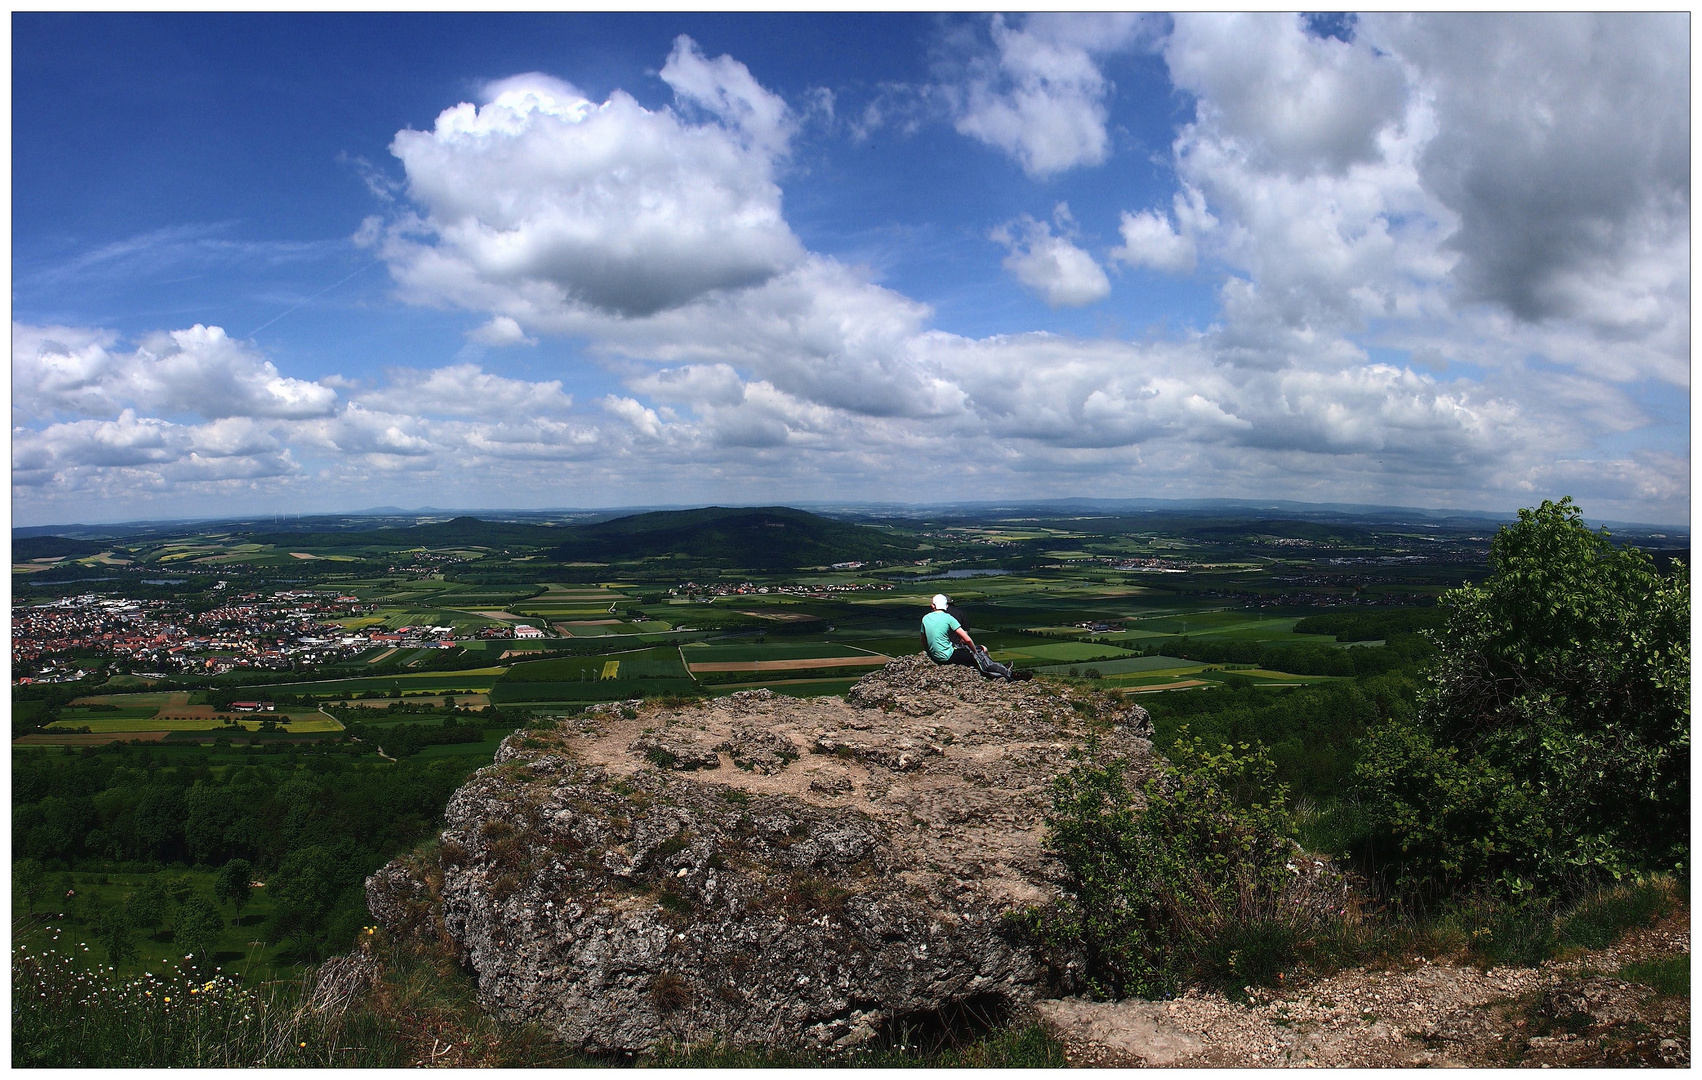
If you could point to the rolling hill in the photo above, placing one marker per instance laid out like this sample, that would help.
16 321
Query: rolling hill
761 538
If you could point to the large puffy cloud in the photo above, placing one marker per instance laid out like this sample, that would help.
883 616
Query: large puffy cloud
542 193
1563 145
1439 172
198 371
148 447
1291 101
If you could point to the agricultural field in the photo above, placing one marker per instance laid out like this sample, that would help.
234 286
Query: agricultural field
1060 595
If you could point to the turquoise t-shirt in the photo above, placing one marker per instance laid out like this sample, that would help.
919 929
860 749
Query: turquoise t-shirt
937 627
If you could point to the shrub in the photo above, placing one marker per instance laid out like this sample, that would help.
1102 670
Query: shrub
1192 875
1552 744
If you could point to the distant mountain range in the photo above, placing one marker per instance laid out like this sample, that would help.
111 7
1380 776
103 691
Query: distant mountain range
1210 511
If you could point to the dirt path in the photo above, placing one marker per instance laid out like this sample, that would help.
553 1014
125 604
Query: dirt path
1564 1013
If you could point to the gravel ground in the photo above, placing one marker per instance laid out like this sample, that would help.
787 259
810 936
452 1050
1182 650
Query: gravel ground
1569 1013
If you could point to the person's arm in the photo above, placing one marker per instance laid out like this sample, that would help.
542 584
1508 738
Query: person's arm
963 635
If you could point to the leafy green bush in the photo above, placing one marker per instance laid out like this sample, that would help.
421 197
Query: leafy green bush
1190 876
1552 745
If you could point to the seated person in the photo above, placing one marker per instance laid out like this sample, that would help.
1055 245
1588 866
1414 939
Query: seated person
949 643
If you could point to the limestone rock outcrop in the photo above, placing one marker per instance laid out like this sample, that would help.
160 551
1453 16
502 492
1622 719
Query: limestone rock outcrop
760 869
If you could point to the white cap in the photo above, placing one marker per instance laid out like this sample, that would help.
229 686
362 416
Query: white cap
940 601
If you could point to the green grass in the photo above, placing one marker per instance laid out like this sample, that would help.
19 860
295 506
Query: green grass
799 688
595 690
1668 975
65 924
1068 652
1600 920
78 714
69 1013
153 698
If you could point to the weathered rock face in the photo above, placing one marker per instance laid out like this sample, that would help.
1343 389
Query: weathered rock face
759 869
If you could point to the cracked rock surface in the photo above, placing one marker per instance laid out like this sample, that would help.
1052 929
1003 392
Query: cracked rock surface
760 869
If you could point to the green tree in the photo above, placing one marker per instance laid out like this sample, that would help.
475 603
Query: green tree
211 809
29 882
304 890
147 907
198 925
1552 744
112 929
232 884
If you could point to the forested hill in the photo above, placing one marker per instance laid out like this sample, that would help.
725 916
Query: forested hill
469 531
760 538
52 547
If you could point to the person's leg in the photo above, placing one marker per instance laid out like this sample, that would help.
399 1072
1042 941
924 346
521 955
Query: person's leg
961 655
989 666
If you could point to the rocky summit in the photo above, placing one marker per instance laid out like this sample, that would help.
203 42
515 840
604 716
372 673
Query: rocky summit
760 869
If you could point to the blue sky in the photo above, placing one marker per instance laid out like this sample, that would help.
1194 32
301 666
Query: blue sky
299 263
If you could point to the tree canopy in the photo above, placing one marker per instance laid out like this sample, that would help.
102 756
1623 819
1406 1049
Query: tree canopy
1552 744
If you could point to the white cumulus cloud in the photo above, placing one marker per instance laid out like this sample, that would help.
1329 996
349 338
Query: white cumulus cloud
1051 266
199 371
464 390
540 202
1041 96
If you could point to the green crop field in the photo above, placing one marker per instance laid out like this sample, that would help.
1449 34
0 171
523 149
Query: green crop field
592 690
801 688
478 680
700 653
654 663
1128 666
1067 651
